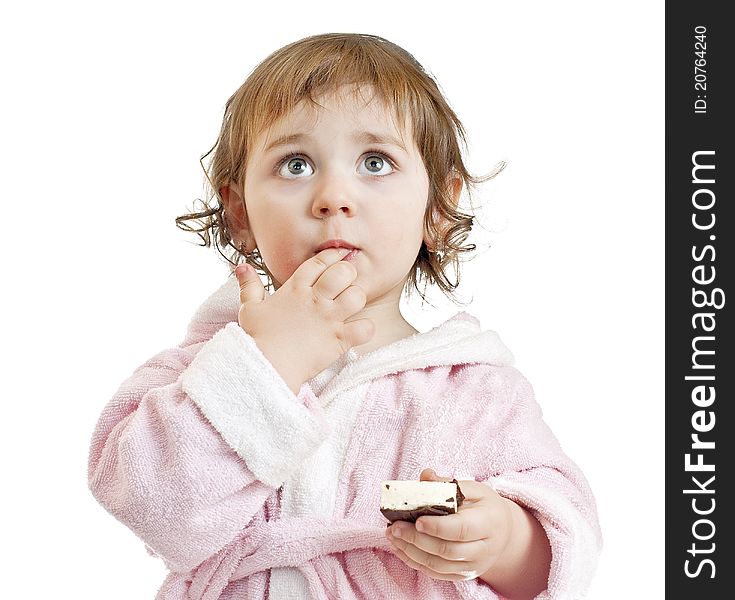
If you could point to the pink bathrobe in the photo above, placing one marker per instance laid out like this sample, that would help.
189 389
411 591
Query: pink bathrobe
246 490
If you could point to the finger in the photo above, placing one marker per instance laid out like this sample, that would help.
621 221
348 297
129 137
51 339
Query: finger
310 270
251 287
475 490
334 280
359 332
464 576
471 490
432 564
349 302
430 475
451 551
467 525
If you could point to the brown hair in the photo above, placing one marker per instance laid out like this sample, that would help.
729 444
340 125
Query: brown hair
306 69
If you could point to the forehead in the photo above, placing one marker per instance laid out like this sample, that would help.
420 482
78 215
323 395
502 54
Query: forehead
353 107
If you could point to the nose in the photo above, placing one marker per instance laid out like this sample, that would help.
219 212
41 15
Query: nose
332 196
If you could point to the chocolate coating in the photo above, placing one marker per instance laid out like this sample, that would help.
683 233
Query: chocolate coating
460 495
411 515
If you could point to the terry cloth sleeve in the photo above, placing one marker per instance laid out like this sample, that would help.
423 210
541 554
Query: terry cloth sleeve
527 465
194 442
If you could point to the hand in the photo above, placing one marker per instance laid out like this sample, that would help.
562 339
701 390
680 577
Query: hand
460 546
303 327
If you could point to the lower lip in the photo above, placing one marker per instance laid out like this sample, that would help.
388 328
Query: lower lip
350 256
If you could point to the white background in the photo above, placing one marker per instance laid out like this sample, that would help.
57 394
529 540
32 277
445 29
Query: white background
106 110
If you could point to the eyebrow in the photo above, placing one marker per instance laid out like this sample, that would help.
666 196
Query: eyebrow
359 137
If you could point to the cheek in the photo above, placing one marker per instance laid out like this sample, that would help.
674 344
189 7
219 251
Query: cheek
281 246
284 251
410 208
282 259
402 234
405 227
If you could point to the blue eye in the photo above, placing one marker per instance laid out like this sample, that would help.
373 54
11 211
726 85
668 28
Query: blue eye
377 165
295 167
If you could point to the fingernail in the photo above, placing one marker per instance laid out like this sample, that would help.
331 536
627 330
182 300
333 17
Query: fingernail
419 525
396 531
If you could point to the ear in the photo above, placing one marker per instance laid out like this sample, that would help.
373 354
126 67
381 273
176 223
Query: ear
454 186
236 217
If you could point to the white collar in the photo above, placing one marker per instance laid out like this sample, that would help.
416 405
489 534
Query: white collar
459 340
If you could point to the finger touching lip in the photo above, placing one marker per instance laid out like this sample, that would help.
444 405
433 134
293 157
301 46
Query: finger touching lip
351 255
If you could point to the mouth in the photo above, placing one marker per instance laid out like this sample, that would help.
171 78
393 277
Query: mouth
339 244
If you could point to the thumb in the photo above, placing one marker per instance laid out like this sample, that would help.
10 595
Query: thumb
430 475
251 287
471 490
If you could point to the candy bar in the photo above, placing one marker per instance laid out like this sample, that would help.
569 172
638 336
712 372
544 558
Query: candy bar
409 500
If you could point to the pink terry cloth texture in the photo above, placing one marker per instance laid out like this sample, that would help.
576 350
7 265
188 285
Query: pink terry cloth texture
199 450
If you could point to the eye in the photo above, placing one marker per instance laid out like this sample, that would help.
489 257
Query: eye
295 167
375 164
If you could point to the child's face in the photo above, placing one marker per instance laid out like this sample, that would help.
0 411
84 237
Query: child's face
342 171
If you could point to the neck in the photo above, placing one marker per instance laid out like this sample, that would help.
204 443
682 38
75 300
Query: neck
390 326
